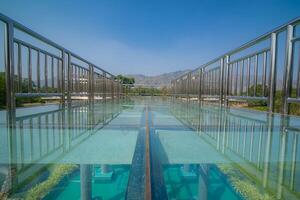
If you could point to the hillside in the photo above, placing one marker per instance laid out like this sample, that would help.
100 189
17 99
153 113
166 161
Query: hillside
156 81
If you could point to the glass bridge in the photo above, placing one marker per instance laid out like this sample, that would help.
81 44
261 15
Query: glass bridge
84 138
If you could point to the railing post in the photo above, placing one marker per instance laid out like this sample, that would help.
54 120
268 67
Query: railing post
226 80
200 85
9 73
91 83
104 86
63 65
189 79
112 88
70 80
221 80
273 71
287 79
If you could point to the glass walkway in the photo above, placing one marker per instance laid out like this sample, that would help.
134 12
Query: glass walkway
69 131
98 151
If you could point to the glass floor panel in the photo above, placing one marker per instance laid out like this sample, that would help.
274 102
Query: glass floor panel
197 151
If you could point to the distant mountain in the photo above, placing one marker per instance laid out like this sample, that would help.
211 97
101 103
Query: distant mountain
156 81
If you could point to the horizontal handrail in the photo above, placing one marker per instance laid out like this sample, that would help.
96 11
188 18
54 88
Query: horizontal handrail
241 77
265 36
38 36
64 76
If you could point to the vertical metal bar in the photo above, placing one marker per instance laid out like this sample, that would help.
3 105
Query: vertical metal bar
46 72
214 83
29 71
200 84
58 75
227 79
255 74
238 136
63 77
273 72
80 79
221 80
259 145
287 79
31 139
22 142
104 86
231 79
242 79
9 72
244 140
70 80
112 87
293 161
86 182
38 69
268 150
248 75
73 80
264 72
298 75
251 141
282 160
209 82
236 78
52 72
76 79
91 81
85 82
19 68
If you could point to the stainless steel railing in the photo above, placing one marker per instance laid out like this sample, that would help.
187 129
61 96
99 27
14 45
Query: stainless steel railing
248 140
50 70
249 72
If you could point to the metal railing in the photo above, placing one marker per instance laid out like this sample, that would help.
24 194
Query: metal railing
62 130
51 70
248 141
239 75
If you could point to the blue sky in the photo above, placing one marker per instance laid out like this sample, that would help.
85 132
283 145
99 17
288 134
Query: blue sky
150 37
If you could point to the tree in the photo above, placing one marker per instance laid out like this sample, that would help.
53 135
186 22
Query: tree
24 88
125 80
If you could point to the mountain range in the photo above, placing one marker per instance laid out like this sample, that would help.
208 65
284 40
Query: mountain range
157 81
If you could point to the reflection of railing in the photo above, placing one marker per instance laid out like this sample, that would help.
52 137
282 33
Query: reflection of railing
263 145
240 75
50 70
43 138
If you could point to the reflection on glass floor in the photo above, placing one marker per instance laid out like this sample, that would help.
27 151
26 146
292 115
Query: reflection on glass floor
192 181
197 152
106 182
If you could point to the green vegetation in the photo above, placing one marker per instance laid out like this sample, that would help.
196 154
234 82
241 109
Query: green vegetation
142 91
57 174
20 101
125 80
263 106
248 190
